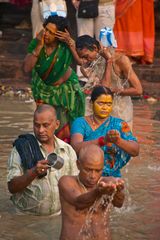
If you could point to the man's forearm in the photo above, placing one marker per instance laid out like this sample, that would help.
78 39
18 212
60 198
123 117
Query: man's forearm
86 200
18 184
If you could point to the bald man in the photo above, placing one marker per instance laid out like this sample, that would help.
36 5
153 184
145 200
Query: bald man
31 181
79 193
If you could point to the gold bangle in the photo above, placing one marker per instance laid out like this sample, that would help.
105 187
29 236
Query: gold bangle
34 54
71 42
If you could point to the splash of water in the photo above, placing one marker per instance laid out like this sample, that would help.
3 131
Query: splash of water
86 232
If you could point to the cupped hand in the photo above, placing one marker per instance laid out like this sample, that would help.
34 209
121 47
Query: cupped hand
119 184
112 136
109 185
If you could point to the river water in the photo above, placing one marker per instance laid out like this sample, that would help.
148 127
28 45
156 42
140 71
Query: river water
138 219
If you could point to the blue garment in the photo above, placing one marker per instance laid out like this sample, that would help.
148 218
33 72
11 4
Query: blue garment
115 158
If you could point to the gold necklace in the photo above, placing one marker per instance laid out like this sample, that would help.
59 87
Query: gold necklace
81 184
95 123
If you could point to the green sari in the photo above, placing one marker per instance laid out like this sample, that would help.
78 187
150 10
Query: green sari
67 98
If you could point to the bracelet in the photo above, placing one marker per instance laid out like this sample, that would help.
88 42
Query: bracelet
101 141
71 42
32 172
34 54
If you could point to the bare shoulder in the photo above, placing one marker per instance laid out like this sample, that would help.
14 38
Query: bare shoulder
122 59
123 62
66 180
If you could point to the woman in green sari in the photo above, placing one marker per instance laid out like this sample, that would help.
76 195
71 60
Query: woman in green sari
53 80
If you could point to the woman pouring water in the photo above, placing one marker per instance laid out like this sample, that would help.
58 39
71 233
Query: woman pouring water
103 65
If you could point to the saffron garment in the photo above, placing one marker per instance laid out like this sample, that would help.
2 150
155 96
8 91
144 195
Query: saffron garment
67 97
115 158
134 29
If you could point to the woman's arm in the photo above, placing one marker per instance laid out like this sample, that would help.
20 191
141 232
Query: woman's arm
65 37
31 58
70 191
129 146
106 80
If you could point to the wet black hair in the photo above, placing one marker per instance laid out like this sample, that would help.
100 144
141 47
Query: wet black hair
86 41
98 91
60 22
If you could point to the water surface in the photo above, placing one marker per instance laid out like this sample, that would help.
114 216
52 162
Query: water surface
138 219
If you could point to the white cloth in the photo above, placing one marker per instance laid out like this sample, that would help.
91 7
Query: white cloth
36 16
92 26
37 23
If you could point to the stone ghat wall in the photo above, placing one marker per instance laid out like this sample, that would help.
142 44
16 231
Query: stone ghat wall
16 32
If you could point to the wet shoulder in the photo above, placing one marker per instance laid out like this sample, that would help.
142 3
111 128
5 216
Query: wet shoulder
66 180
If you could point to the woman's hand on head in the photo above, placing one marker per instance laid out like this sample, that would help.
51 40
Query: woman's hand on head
104 52
63 36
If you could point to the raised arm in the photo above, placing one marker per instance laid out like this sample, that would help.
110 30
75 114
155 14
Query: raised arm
31 58
71 193
65 37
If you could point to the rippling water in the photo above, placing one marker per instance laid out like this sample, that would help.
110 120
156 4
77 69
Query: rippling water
139 219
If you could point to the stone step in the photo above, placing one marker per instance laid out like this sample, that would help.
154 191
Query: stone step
14 42
148 72
11 70
13 45
11 15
